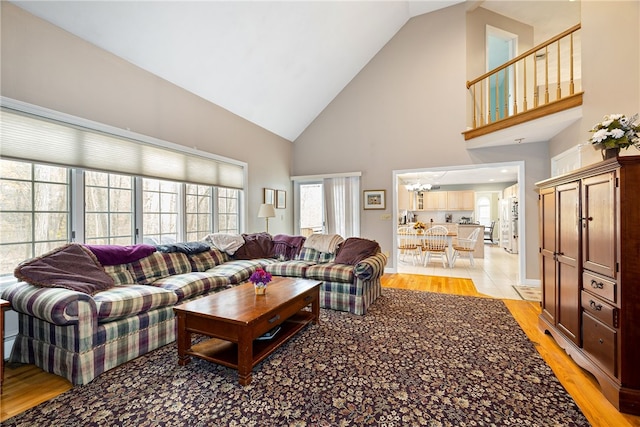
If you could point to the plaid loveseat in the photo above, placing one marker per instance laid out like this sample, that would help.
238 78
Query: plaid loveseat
79 336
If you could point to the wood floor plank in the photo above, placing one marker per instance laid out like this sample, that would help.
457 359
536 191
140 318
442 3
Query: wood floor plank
26 386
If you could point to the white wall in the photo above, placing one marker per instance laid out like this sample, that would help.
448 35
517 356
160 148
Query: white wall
47 66
405 110
610 72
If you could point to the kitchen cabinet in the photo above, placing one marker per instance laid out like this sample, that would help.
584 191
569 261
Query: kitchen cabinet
435 200
404 198
445 201
461 200
589 240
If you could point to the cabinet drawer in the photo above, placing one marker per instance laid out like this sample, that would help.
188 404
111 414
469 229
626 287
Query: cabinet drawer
599 286
600 309
600 342
284 313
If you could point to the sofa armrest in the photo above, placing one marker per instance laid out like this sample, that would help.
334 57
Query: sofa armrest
371 267
54 305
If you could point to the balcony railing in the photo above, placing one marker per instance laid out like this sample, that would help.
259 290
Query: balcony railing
544 80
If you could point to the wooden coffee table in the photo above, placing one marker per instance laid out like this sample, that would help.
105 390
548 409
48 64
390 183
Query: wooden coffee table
235 317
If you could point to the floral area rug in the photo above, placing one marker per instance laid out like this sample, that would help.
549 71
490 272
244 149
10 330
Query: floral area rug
415 359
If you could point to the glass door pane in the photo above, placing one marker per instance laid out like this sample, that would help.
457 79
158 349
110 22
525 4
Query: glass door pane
311 202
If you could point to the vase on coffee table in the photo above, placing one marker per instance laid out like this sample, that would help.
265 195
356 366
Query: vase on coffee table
260 288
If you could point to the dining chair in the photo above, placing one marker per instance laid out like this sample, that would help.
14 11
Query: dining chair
465 246
435 245
488 233
408 243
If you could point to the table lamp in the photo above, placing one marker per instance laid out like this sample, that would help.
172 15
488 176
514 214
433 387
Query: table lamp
266 211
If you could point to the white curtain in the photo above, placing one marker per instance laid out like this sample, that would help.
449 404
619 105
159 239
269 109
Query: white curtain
342 205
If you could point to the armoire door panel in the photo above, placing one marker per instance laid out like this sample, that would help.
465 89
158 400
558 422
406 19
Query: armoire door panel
598 224
569 280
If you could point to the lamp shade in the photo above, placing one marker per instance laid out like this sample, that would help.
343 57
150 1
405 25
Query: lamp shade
266 211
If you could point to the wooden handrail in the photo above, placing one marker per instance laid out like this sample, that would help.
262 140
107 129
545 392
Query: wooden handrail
505 92
524 55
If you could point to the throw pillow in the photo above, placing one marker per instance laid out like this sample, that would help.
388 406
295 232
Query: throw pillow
354 249
258 245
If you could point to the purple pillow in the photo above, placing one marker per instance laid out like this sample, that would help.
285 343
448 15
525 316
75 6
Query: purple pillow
353 250
114 254
257 245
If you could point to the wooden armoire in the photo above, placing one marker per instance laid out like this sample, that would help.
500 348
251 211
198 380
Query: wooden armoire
590 272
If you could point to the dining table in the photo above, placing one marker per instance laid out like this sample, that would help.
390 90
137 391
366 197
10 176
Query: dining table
424 237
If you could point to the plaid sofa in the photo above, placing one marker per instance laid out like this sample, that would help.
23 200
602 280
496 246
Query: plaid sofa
79 336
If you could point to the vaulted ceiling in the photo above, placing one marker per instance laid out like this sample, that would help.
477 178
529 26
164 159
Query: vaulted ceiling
276 64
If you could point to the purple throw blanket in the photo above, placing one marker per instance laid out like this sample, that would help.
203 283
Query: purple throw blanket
114 254
287 247
70 267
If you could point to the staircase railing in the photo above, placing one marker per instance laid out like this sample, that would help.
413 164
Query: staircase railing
543 80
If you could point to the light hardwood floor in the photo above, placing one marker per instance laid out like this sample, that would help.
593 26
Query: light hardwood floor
26 386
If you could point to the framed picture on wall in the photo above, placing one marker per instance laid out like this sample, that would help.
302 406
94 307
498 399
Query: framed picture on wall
281 199
269 196
374 199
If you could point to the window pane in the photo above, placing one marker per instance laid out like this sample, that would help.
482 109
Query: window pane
15 196
169 202
122 225
160 211
108 210
34 213
96 179
12 255
120 200
96 199
15 228
51 226
15 170
50 173
151 224
96 225
228 210
50 197
198 211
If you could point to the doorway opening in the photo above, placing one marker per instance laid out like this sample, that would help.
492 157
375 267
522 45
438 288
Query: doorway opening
501 48
468 178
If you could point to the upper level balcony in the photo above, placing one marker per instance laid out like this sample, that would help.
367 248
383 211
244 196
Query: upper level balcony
530 98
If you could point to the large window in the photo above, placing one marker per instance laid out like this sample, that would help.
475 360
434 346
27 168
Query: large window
34 211
198 211
228 210
160 211
38 204
108 200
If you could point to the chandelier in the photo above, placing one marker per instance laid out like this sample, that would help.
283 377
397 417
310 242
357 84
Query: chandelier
418 188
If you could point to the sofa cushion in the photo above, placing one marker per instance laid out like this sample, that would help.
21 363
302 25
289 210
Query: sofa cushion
206 260
292 268
257 245
331 272
326 257
129 300
308 254
193 284
354 249
121 274
159 265
237 271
